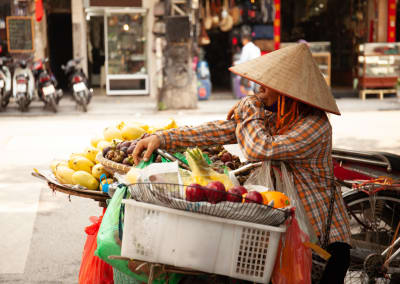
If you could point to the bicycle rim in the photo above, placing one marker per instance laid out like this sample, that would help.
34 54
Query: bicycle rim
373 220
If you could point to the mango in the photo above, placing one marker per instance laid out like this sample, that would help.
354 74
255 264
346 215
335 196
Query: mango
55 163
91 153
98 170
111 133
82 164
85 179
132 132
102 144
120 125
95 140
72 157
139 124
64 174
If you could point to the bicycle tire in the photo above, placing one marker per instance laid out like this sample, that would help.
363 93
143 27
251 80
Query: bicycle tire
373 238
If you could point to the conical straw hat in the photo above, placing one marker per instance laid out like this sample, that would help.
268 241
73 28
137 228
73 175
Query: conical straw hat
291 71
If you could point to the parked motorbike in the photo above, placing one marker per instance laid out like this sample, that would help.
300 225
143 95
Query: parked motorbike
78 83
23 85
5 82
46 85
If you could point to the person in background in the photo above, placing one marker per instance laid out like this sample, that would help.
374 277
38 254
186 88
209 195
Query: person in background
249 51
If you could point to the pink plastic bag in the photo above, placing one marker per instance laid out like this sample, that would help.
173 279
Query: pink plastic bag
94 270
293 263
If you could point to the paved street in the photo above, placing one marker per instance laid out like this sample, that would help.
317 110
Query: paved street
43 233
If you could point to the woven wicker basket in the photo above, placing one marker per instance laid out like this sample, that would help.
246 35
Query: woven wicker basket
111 166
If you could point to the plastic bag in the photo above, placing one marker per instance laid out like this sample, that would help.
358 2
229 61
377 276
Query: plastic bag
108 240
293 263
94 270
266 175
110 234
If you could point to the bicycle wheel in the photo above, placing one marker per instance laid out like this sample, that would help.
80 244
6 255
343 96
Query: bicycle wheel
373 220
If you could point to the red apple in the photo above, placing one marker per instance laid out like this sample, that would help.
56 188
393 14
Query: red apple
235 193
215 192
253 197
195 192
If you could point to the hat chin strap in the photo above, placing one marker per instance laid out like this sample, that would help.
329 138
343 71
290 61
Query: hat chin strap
281 116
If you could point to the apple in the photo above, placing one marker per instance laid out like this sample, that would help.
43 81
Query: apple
215 192
253 197
195 192
235 193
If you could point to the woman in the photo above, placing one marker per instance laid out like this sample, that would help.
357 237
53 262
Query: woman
285 121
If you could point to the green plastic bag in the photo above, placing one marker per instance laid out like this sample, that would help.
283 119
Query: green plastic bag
110 232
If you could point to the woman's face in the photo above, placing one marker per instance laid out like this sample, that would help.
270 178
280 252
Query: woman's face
268 96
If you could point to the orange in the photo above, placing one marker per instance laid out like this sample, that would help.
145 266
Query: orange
280 199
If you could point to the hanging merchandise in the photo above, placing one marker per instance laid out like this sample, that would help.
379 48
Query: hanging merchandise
214 13
208 18
234 11
203 37
39 10
226 19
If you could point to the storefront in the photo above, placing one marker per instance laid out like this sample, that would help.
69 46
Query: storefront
125 50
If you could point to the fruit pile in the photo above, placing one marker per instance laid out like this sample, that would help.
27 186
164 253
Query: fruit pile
215 192
85 170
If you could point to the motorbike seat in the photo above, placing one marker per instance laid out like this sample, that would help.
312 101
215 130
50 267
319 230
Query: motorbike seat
384 159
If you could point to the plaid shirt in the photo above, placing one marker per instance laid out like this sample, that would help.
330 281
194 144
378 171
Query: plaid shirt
305 148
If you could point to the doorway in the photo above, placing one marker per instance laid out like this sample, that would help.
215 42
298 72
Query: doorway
59 29
96 53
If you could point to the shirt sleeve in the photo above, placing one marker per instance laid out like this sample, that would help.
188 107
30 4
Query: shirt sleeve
212 133
299 142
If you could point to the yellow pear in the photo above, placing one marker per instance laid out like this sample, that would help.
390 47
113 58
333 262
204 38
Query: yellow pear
91 153
98 170
111 133
132 132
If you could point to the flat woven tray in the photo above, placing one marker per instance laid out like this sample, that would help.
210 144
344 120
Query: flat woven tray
70 189
112 167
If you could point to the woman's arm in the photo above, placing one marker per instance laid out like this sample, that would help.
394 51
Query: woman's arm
211 133
257 143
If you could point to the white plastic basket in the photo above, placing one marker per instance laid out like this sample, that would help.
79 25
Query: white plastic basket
200 242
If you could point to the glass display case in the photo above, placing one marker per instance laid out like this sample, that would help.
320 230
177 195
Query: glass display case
126 50
378 64
321 52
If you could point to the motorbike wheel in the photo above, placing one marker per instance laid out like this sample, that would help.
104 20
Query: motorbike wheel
373 221
82 101
52 104
4 102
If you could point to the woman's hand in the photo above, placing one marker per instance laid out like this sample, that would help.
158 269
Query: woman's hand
231 113
150 144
